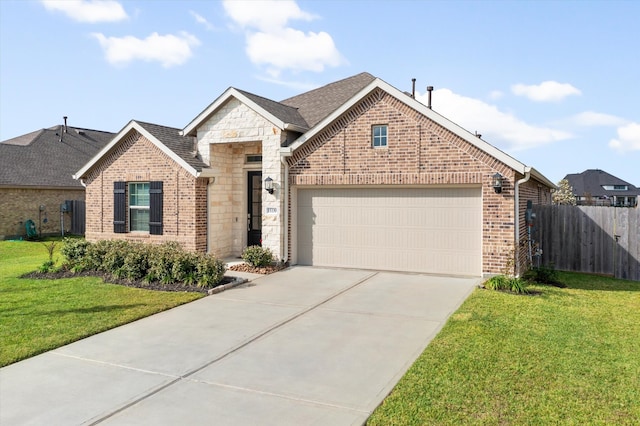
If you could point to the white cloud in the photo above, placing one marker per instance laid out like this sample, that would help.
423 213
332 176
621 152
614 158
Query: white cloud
547 91
495 95
169 49
265 16
91 11
289 48
277 47
628 138
592 119
494 125
201 20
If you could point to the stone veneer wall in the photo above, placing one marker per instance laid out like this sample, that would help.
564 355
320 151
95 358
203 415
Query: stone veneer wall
419 152
138 160
223 141
17 205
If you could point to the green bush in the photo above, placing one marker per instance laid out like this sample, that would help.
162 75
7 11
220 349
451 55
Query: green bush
167 263
210 271
544 275
257 256
506 283
74 250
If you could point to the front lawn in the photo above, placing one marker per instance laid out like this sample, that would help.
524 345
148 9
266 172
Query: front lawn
39 315
566 356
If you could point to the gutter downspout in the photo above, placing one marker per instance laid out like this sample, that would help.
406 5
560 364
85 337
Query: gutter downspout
527 176
284 190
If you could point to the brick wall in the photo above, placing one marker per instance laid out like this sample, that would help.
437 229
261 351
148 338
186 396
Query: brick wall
17 205
419 152
184 196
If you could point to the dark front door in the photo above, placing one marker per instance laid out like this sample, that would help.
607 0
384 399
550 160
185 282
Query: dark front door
254 209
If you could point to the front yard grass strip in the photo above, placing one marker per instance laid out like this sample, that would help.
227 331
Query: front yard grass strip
564 356
40 315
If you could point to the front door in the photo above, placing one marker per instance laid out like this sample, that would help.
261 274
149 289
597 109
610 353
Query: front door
254 209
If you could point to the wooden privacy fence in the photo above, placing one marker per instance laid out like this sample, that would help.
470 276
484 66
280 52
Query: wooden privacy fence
600 240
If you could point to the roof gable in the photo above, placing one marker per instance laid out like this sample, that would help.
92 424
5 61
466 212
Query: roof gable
168 139
283 116
429 113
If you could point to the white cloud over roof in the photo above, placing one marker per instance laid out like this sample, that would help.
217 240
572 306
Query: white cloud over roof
169 50
628 138
91 11
547 91
494 125
201 20
271 43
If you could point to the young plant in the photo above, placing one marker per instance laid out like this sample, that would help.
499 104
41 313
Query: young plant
257 256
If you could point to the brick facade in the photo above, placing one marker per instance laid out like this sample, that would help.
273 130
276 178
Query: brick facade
419 152
138 160
17 205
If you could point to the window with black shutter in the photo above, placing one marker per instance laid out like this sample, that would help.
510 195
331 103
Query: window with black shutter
155 208
119 207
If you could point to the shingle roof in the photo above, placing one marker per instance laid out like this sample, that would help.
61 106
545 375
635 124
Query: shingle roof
591 181
182 146
41 159
286 113
317 104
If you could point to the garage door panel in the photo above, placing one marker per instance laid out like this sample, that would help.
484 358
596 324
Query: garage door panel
434 230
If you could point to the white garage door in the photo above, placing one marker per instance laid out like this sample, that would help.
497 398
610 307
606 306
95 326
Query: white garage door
434 230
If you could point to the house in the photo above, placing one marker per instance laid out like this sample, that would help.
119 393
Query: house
36 172
597 187
352 174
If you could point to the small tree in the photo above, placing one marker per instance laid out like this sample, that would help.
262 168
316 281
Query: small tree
564 194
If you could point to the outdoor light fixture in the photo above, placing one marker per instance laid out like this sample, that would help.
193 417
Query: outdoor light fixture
497 183
268 185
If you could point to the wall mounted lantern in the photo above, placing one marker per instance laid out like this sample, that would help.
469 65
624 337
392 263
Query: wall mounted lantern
497 183
268 185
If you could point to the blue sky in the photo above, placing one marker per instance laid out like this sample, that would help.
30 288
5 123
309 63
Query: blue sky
555 84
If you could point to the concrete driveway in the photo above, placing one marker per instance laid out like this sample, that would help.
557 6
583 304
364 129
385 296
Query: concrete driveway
302 346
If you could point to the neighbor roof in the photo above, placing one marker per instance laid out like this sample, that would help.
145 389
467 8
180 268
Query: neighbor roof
592 180
40 159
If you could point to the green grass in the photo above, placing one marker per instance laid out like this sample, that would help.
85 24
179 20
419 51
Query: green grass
40 315
565 356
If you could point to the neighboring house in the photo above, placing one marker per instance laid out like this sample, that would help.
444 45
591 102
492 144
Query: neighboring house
353 174
599 188
36 172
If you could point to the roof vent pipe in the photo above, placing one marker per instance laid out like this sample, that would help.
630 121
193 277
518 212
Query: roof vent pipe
413 88
65 123
429 90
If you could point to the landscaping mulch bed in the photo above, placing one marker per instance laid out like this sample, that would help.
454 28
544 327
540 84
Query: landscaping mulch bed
245 267
155 285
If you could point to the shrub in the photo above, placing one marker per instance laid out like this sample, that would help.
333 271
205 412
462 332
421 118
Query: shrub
161 261
257 256
47 266
136 261
184 266
544 275
209 271
506 283
74 250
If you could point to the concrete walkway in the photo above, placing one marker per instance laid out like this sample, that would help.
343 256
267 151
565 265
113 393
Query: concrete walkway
298 347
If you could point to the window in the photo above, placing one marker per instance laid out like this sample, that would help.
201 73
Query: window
139 206
144 210
379 136
620 187
253 158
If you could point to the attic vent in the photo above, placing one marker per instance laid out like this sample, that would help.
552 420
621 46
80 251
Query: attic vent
253 159
80 132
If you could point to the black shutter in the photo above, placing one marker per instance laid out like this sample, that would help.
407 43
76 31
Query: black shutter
155 208
119 207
